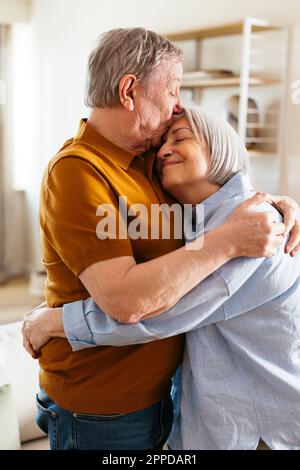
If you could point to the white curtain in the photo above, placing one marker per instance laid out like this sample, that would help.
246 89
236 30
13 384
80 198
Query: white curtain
12 203
4 46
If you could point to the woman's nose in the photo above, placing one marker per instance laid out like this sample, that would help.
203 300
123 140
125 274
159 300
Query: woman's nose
164 152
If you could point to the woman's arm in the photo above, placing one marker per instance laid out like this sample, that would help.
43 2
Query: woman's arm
86 325
200 307
130 292
46 326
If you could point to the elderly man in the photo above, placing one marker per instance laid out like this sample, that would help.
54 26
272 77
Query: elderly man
118 398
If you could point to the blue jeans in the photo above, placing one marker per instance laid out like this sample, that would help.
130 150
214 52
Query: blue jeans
146 429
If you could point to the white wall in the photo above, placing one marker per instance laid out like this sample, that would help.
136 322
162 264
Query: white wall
64 32
293 124
14 11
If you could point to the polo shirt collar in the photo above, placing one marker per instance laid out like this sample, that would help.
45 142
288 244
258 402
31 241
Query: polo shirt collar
88 135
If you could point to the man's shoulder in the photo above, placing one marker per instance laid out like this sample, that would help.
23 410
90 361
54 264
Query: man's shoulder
74 159
74 153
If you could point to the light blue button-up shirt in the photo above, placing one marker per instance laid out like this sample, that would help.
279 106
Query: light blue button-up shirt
240 377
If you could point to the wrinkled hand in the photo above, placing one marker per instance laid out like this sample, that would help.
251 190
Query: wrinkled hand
291 217
34 330
252 233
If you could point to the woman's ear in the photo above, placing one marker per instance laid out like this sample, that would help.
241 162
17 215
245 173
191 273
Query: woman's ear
127 92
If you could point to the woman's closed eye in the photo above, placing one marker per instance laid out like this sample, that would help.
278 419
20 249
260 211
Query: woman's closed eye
181 138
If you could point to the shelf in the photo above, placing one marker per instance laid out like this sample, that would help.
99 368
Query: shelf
261 154
228 82
240 75
229 29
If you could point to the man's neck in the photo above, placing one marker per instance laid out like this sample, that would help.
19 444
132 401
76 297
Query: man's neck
115 127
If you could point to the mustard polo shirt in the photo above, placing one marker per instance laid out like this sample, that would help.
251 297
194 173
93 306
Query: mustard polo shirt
87 172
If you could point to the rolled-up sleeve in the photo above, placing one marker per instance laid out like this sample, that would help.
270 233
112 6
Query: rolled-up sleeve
75 325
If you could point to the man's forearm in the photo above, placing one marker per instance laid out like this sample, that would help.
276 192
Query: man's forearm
86 325
182 269
128 292
153 287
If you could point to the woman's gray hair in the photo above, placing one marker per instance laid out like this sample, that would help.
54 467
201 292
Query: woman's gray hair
119 52
227 153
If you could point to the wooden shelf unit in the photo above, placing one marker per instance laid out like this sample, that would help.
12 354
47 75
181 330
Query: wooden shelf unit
261 154
228 82
227 29
249 80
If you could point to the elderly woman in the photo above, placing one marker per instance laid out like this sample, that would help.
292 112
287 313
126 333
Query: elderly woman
240 378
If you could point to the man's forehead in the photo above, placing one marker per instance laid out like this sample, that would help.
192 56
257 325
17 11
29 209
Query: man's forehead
173 70
174 79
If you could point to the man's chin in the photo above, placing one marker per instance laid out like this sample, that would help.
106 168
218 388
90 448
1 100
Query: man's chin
156 143
149 146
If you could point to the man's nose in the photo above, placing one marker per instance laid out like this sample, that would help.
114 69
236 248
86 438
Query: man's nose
178 108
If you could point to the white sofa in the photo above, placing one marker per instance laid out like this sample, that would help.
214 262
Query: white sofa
18 388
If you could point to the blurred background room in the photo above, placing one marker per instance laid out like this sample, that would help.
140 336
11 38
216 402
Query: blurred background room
242 61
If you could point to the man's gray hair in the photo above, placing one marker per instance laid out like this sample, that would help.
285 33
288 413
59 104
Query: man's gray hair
227 153
119 52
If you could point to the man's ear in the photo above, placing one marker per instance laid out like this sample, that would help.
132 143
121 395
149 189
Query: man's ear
127 91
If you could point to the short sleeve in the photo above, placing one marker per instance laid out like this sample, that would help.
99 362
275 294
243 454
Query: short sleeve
76 203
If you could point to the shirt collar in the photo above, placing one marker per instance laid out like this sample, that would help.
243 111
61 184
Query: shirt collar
237 185
87 134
